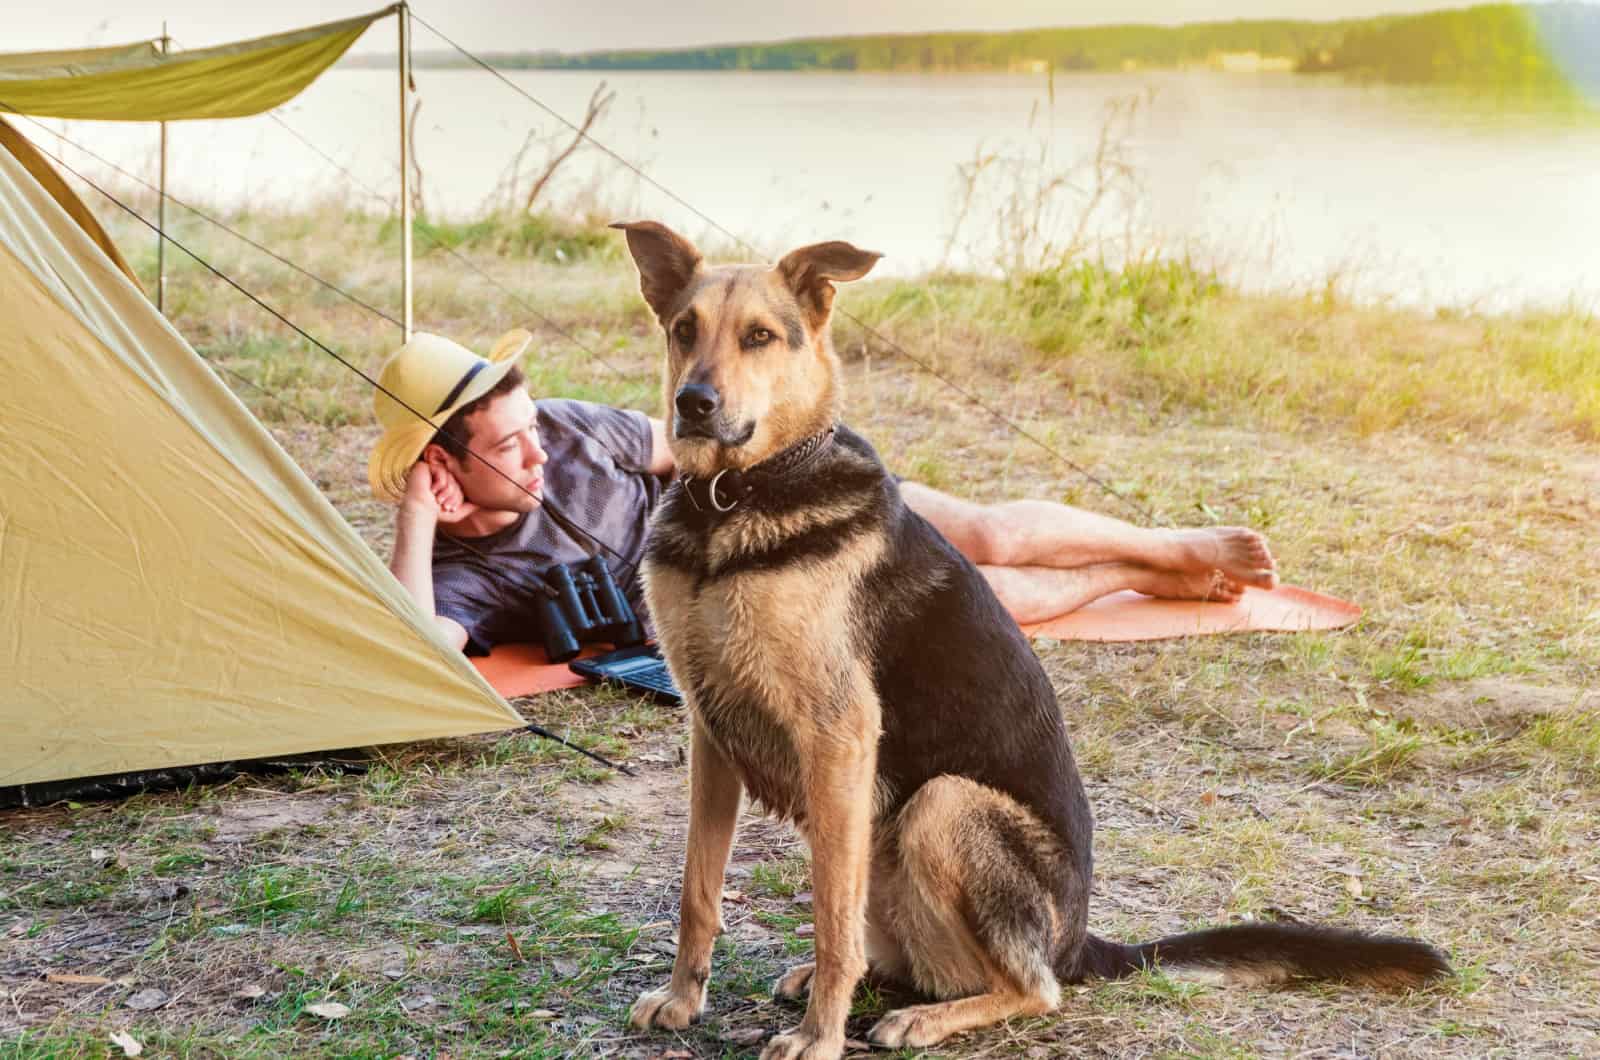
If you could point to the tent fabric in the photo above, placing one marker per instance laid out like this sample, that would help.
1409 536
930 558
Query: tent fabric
18 66
173 590
137 82
43 172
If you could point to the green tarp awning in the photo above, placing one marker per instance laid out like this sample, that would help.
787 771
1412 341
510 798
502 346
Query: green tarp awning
136 82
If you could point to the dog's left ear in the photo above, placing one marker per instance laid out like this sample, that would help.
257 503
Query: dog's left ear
811 271
666 260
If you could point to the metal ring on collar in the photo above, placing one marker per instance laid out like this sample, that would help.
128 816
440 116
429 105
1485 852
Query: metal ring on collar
711 493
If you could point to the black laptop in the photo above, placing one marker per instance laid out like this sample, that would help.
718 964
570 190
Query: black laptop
641 669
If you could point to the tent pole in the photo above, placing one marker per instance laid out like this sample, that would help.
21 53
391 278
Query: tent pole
405 173
161 206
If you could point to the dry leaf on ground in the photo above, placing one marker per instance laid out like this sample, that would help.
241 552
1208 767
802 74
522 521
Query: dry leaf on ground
329 1010
127 1043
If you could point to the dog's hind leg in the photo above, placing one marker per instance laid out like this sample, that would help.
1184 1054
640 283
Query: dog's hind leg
984 899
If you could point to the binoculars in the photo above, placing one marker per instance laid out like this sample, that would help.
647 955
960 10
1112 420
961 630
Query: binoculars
581 604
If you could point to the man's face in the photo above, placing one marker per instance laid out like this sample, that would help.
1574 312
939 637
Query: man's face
505 433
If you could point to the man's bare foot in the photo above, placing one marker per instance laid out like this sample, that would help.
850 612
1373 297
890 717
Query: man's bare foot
1237 551
1210 585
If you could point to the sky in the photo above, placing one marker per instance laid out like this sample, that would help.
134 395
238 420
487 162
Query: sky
584 25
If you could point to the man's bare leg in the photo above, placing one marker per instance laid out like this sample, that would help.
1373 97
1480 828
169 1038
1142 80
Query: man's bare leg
1045 534
1033 594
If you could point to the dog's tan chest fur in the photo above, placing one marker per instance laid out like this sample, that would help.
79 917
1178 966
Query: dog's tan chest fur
769 664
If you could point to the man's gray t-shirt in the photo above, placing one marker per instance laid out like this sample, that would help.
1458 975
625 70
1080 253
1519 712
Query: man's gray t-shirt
598 477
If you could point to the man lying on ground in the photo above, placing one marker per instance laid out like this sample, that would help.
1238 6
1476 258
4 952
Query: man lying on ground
471 534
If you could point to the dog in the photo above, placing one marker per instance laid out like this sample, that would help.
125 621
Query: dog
851 671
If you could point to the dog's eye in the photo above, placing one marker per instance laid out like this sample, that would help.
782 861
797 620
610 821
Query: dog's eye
683 331
758 337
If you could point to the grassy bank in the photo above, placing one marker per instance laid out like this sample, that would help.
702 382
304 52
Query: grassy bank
1433 771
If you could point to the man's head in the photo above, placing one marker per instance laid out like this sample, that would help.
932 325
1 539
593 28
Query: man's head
432 385
750 366
491 446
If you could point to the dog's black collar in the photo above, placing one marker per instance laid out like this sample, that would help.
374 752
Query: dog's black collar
727 489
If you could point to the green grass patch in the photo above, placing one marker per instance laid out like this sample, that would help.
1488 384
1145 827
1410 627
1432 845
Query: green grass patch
783 878
1391 752
271 893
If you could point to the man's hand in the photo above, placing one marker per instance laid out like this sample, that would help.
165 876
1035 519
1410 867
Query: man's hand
433 491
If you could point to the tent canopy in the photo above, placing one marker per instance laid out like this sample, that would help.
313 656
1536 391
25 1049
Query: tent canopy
136 82
173 589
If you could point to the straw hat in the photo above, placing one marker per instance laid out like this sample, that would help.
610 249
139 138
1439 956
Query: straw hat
435 377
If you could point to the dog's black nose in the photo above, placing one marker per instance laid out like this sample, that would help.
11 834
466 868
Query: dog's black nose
697 401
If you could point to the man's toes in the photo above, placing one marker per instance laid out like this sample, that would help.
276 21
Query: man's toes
1259 578
1244 547
795 982
915 1026
1220 589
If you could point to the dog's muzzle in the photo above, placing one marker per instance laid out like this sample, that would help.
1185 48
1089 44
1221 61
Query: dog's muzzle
696 405
698 413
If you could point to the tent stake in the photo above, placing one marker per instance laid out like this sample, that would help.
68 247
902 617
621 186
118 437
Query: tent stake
161 206
405 174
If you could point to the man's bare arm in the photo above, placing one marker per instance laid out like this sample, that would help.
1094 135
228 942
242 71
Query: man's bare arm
412 561
661 462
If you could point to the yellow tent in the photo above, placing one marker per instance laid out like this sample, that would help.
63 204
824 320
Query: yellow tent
173 590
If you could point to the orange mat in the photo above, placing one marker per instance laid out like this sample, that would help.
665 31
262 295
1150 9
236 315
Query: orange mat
1132 616
521 669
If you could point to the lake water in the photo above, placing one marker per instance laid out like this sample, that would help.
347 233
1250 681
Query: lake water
1419 196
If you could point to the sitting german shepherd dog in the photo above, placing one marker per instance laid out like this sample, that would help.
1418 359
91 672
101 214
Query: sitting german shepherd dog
849 669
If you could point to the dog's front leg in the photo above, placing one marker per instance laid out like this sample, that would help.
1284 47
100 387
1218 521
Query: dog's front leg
714 791
839 790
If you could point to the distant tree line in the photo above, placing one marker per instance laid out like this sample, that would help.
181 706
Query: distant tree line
1508 45
1498 44
1084 48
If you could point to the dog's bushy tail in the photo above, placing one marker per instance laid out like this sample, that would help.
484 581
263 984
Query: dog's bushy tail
1262 953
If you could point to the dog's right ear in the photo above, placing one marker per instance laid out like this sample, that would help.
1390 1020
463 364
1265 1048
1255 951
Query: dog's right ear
666 260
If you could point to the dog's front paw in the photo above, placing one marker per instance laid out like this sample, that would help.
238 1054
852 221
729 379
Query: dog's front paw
663 1007
915 1026
801 1044
795 982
